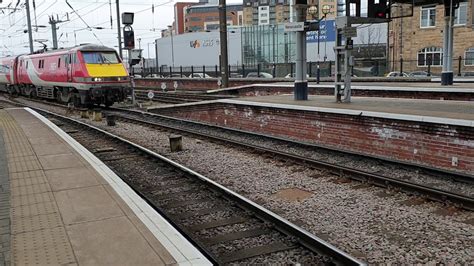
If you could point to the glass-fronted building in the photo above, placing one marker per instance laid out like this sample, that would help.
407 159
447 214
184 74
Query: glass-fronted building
267 44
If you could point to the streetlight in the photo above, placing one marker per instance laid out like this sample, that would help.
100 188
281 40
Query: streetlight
313 12
326 10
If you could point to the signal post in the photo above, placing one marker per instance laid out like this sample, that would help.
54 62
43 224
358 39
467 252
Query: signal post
134 55
348 14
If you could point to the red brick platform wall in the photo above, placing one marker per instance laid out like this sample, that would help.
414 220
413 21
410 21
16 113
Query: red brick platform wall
422 143
243 87
211 83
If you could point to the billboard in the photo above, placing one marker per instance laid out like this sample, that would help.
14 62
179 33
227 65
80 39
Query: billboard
327 32
197 49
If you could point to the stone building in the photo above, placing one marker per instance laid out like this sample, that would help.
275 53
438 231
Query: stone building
418 39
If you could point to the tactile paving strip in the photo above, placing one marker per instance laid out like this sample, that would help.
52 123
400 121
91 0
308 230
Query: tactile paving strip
31 199
33 210
36 222
4 206
49 246
31 189
22 164
27 178
38 235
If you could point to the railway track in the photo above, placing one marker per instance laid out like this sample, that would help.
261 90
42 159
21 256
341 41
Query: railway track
192 128
224 225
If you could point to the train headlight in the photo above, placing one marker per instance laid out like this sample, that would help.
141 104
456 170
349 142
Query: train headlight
97 79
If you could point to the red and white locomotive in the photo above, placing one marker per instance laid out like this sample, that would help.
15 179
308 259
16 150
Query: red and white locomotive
85 74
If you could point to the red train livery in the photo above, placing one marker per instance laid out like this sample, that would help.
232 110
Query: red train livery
86 74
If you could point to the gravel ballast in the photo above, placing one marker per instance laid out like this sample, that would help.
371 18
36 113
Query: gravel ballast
365 222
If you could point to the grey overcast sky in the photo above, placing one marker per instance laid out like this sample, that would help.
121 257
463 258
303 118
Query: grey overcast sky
96 13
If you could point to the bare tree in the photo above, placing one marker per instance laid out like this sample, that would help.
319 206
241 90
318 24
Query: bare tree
373 41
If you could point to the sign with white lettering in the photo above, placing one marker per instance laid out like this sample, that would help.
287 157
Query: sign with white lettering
294 26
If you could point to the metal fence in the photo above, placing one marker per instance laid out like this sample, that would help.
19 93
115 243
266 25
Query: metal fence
361 68
282 70
462 67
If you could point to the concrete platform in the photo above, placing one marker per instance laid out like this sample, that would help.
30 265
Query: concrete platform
367 106
458 92
61 205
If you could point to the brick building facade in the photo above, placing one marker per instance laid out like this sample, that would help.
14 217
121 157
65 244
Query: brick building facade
419 39
179 16
206 17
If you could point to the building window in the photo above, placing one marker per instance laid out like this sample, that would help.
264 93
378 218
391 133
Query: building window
469 57
428 17
461 14
430 56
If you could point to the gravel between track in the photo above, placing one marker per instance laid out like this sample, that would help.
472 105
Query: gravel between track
368 222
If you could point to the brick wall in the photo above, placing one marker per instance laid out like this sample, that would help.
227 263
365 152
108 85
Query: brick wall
211 84
249 90
421 143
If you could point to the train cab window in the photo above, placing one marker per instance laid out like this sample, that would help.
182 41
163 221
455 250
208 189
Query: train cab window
59 62
74 58
100 57
39 64
26 64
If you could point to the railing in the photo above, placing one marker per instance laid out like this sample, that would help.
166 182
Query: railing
462 67
326 69
362 68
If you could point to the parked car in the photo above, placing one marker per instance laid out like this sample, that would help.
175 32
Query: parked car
175 76
199 75
419 74
235 75
289 76
468 74
397 74
259 75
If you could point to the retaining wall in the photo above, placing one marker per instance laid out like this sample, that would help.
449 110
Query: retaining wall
436 145
247 87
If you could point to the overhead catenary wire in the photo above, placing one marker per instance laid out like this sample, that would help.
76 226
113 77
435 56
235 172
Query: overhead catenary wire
95 35
16 35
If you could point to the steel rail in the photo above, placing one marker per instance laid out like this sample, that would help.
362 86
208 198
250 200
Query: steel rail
434 194
306 239
458 176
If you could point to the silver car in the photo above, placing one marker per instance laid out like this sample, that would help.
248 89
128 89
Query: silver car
397 74
259 75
